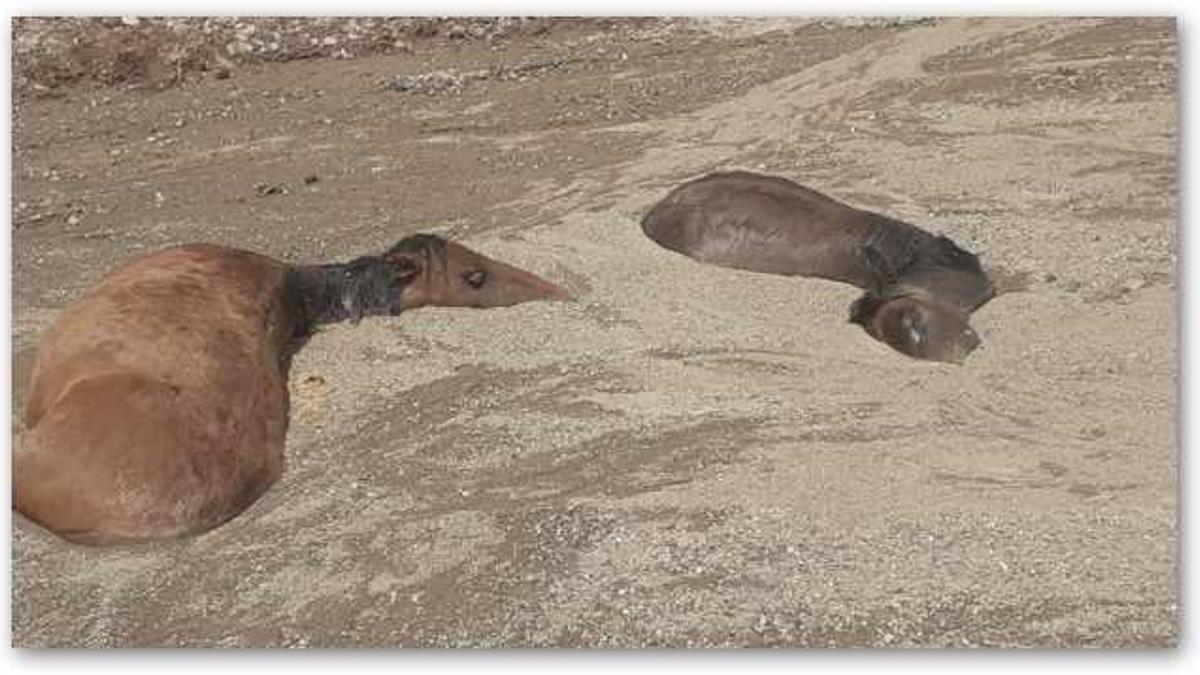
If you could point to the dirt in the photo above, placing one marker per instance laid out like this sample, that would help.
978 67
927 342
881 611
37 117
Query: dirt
687 455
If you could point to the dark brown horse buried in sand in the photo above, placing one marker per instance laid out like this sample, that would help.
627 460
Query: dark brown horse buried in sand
158 402
920 288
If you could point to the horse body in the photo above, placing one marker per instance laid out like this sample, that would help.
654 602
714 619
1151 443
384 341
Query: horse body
920 288
158 402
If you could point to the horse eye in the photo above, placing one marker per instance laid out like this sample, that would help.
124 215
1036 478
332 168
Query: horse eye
914 330
475 278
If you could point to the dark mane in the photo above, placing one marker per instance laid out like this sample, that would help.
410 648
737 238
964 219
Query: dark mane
908 248
429 245
938 252
365 286
906 257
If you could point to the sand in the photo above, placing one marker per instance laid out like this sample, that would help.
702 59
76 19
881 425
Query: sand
685 455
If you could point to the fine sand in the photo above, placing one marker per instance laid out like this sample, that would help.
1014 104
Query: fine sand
686 455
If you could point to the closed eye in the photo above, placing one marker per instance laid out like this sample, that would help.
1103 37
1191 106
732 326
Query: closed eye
914 331
475 278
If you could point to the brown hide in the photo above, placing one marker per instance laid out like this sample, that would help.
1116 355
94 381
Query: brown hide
158 403
920 288
452 275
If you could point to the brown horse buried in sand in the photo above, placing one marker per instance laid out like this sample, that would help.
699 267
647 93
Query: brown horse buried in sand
158 403
920 288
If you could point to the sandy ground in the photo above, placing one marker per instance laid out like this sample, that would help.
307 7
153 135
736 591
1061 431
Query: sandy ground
687 455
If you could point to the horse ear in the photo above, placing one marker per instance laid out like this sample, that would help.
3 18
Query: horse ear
405 266
863 309
880 273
